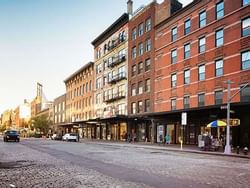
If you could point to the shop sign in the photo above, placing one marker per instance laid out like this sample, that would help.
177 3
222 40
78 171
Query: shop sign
184 118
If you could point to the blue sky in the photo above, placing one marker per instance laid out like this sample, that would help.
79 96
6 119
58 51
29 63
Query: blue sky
47 40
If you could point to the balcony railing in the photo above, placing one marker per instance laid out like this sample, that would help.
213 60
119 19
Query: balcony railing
116 78
116 42
117 60
114 96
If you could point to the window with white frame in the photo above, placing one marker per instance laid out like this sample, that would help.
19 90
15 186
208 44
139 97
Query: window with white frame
202 45
174 34
245 60
219 38
219 10
202 19
187 76
187 27
173 80
218 68
186 51
141 48
174 56
148 44
245 30
202 72
148 24
140 88
140 29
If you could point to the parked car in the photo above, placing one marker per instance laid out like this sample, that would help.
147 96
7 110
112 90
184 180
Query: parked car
11 135
70 137
56 137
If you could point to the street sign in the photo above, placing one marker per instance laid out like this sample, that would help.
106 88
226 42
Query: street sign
184 118
223 107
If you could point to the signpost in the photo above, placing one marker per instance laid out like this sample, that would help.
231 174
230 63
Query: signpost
183 122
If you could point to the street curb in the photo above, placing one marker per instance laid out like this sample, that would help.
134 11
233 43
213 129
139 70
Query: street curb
167 149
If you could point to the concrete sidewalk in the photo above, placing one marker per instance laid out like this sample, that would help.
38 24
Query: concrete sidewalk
171 147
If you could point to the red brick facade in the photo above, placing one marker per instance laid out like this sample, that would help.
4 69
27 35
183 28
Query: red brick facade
230 52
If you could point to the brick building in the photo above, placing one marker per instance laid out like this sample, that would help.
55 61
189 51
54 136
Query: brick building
79 98
141 57
111 81
196 50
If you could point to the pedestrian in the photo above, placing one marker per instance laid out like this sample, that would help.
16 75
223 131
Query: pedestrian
167 139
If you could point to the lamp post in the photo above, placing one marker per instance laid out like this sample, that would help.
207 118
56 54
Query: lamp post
228 147
229 99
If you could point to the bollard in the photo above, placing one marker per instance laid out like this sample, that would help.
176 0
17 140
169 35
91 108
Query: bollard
238 150
245 150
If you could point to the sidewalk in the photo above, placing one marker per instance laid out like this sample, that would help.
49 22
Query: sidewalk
171 147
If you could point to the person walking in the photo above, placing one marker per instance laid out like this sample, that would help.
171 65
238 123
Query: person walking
167 139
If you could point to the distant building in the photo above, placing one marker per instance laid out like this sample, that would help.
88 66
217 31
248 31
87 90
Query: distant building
59 112
79 98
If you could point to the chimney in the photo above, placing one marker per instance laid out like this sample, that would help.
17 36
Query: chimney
130 7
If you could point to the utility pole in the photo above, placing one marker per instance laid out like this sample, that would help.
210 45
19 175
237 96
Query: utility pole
228 147
229 99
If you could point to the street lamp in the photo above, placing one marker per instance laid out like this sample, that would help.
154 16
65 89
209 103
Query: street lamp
229 99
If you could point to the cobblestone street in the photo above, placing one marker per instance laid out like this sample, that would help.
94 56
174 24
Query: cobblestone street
46 163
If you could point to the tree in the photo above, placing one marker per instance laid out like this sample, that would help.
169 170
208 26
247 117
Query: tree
41 123
2 128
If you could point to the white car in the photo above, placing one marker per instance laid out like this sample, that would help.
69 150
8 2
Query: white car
70 137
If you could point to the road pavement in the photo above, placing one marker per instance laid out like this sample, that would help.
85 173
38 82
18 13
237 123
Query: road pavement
47 163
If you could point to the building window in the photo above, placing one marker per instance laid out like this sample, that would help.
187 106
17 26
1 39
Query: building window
219 68
173 104
186 51
245 94
90 85
133 70
140 88
245 60
141 49
245 27
202 45
246 2
201 72
202 19
133 108
98 83
173 80
148 24
219 10
140 68
133 90
134 52
147 105
201 100
174 56
140 107
187 76
147 85
148 44
219 37
187 28
140 29
147 65
218 97
134 34
174 34
186 102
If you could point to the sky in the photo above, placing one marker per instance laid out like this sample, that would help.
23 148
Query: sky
45 41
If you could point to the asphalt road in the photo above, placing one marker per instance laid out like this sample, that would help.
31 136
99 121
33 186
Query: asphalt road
46 163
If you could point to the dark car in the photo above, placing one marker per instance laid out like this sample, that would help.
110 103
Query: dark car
11 135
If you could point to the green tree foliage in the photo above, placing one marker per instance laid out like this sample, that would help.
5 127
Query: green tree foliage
2 128
41 124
